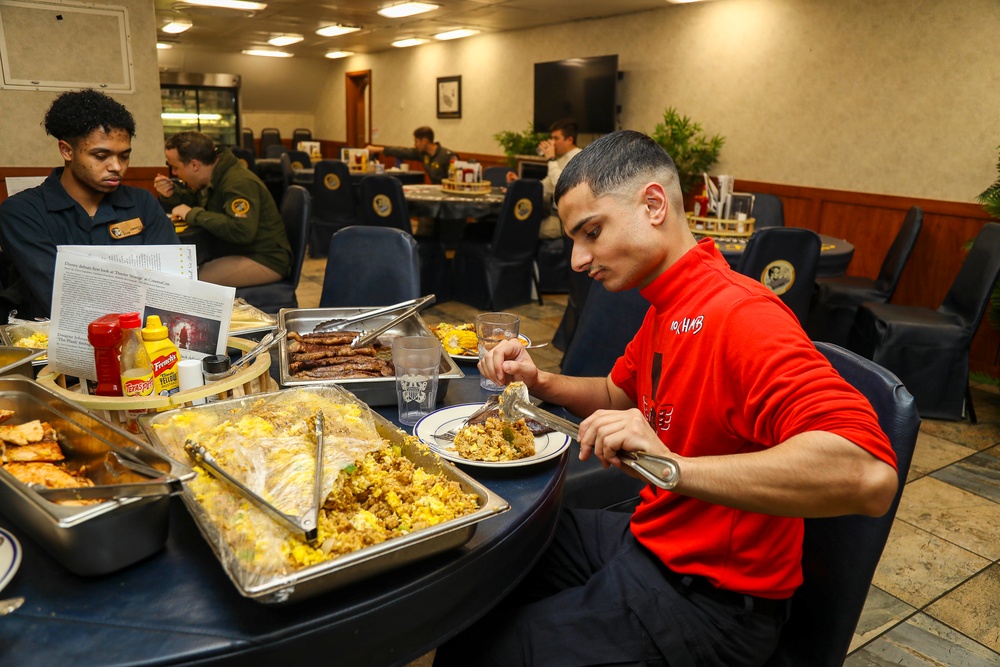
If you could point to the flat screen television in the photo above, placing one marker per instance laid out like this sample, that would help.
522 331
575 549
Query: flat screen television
578 88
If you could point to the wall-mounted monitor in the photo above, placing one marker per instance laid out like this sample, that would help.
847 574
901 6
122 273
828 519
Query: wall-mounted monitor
578 88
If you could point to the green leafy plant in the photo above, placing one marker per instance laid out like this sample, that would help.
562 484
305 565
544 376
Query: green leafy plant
990 199
519 143
693 152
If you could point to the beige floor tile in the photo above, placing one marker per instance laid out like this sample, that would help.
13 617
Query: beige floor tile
933 453
918 567
974 608
882 611
953 514
977 436
923 642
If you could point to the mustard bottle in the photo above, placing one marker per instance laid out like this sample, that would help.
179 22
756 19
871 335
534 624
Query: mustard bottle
163 355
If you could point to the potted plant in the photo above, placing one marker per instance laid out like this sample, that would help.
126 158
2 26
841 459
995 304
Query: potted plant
519 143
693 152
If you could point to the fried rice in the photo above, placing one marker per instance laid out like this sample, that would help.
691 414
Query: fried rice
495 440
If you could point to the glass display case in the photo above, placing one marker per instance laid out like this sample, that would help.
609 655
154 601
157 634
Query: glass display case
209 103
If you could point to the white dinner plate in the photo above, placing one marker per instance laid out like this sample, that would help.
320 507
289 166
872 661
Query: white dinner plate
475 357
10 557
547 446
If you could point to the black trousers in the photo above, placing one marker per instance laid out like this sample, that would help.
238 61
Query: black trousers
598 597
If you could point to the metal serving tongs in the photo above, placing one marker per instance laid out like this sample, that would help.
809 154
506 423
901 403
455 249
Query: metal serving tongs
306 525
366 337
116 465
265 344
341 322
515 404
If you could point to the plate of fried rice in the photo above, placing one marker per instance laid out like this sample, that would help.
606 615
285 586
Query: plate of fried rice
494 440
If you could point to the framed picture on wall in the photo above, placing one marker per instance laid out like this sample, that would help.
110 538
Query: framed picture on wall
449 97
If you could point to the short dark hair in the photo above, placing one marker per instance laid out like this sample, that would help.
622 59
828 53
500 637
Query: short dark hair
618 160
74 115
191 145
424 132
567 126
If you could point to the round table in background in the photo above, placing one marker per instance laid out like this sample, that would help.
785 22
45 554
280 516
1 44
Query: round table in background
834 256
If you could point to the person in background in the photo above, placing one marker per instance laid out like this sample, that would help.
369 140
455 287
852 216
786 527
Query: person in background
762 430
84 202
434 156
233 205
559 149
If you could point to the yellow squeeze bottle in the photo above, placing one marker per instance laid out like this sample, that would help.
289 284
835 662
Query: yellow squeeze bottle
163 355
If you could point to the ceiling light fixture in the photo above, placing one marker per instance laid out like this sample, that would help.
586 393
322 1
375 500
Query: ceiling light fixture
177 26
267 53
229 4
412 41
285 40
338 54
164 45
336 30
456 34
406 9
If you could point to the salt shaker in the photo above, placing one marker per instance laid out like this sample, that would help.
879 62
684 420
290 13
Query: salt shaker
216 367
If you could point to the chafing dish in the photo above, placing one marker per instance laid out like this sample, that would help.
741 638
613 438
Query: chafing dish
11 332
346 569
373 391
18 360
92 539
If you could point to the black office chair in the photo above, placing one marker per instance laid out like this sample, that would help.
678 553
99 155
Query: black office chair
499 273
333 206
768 211
929 349
840 554
245 158
608 322
246 141
370 266
497 176
269 136
836 300
295 211
300 134
784 259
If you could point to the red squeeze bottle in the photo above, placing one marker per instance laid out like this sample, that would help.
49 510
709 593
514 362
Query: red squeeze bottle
105 334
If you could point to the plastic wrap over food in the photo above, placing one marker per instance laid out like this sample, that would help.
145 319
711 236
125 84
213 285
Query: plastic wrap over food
370 493
27 334
248 317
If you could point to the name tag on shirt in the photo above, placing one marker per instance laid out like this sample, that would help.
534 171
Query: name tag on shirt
126 228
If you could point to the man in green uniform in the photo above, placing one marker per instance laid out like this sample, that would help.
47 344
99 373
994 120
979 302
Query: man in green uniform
230 203
436 158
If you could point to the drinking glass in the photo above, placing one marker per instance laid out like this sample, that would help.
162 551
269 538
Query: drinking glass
417 359
492 329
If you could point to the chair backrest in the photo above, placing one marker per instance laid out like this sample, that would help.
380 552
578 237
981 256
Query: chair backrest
333 194
370 266
382 203
497 176
269 136
274 151
246 141
245 158
608 322
286 171
768 211
300 134
970 292
516 234
785 260
840 553
296 210
299 159
899 251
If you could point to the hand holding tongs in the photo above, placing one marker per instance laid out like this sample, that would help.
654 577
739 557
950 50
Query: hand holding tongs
515 404
306 525
341 322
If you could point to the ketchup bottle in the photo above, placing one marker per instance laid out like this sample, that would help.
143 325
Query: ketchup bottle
105 334
136 369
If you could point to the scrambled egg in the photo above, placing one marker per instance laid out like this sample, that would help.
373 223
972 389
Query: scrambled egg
37 340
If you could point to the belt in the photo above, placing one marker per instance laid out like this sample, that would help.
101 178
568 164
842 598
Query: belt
688 583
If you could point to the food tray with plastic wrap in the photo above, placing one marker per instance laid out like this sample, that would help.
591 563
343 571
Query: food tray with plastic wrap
374 390
386 500
30 335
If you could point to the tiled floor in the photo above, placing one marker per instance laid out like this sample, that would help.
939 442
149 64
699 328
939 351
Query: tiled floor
935 599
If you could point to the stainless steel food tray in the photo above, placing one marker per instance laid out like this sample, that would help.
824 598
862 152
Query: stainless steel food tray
373 391
361 564
11 332
93 539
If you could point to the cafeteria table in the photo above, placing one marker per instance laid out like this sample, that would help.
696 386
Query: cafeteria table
834 257
178 607
451 211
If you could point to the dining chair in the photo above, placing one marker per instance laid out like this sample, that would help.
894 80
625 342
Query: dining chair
499 272
785 260
497 176
246 141
272 297
269 136
299 159
275 151
245 158
840 554
301 134
835 300
333 204
370 266
768 211
929 349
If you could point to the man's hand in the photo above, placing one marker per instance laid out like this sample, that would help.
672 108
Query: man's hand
547 148
509 362
375 150
180 212
606 432
511 177
164 186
